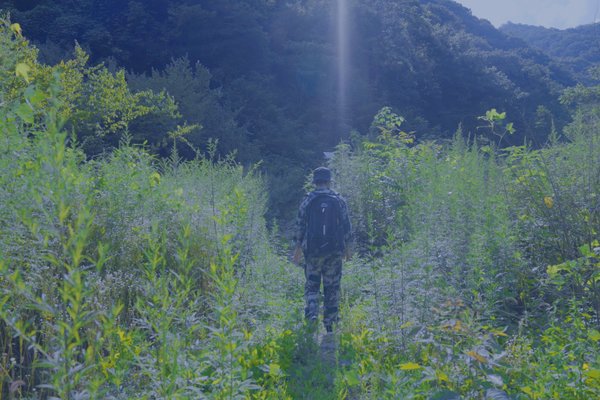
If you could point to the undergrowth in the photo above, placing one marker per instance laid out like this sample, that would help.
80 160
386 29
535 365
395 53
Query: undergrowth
125 276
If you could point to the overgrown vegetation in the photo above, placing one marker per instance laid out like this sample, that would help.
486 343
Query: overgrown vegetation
572 47
119 276
260 75
129 276
479 276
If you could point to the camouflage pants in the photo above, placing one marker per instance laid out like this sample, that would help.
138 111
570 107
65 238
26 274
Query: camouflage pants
329 270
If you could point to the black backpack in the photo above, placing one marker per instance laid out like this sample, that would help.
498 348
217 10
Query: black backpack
324 231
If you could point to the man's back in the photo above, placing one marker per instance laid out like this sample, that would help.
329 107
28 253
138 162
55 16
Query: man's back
323 225
323 233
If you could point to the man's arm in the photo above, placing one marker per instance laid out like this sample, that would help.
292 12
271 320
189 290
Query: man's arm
300 230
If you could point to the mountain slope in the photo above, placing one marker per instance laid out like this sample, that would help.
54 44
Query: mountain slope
439 62
431 60
578 49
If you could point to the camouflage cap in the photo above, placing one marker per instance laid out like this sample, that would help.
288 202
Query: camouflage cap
322 175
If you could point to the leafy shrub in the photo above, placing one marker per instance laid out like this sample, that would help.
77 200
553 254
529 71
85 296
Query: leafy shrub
124 266
465 249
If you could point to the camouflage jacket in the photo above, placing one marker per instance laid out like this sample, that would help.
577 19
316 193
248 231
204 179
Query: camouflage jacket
301 219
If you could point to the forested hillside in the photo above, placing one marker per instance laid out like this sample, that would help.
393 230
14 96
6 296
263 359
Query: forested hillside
261 75
137 255
429 59
578 49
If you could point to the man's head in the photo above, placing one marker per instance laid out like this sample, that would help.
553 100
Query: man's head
322 176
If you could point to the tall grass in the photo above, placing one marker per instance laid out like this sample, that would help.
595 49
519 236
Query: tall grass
469 253
125 276
119 275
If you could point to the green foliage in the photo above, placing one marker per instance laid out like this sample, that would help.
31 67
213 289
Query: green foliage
48 301
18 58
97 105
465 249
198 103
496 125
273 84
130 276
119 276
574 48
259 75
101 107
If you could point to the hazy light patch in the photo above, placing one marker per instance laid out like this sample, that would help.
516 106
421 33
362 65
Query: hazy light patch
560 14
342 63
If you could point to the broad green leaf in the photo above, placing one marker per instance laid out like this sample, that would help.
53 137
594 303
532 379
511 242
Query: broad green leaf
552 270
475 355
586 251
16 28
352 378
409 366
23 70
494 115
594 335
274 369
154 179
499 333
442 377
527 390
593 374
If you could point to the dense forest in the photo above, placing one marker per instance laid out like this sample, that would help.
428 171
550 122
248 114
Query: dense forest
577 49
151 153
260 75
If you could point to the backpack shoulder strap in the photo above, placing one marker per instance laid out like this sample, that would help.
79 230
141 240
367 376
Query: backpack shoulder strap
310 197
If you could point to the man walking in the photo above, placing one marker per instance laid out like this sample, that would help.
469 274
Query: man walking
323 234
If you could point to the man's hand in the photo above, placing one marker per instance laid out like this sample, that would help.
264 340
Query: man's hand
297 255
